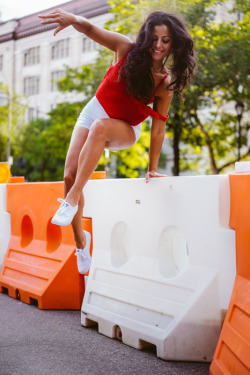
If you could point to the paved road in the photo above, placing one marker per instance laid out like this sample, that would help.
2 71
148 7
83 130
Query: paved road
51 342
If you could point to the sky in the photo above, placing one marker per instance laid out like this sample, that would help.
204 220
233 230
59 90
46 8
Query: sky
18 8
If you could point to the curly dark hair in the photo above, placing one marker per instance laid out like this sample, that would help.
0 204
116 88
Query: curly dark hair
137 69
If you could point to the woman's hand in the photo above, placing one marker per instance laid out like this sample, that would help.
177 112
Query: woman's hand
114 41
153 174
64 19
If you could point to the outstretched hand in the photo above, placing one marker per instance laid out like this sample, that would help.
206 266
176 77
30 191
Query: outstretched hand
153 174
64 19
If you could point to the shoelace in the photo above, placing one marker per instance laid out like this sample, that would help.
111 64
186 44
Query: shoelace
80 253
63 206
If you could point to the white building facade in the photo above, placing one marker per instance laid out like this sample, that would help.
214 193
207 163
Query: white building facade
32 60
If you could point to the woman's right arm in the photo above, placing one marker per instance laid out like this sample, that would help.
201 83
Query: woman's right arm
114 41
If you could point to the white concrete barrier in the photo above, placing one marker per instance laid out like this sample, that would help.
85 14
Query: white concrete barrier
5 230
163 263
242 167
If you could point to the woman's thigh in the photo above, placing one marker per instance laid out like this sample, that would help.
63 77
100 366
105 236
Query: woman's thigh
119 134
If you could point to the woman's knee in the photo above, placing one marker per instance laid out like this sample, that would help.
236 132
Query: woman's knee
99 129
69 176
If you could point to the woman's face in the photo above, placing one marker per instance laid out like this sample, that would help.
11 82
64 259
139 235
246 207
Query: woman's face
162 42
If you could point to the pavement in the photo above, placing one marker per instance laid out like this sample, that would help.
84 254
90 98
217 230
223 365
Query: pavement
53 342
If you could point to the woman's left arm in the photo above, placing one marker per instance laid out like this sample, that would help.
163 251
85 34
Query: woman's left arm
161 105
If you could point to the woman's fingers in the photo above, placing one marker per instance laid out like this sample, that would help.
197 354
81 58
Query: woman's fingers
49 15
59 16
48 22
153 174
50 18
59 28
147 177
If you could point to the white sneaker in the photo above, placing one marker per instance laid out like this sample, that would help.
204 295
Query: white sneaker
83 256
65 213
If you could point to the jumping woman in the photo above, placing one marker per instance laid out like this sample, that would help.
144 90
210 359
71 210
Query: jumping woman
112 119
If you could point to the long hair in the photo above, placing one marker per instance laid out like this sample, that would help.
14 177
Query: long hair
181 61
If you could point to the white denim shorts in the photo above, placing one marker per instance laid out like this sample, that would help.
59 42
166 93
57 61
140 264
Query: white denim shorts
94 111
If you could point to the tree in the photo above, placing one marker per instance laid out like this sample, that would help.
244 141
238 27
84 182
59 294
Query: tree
220 81
42 145
202 130
11 119
201 122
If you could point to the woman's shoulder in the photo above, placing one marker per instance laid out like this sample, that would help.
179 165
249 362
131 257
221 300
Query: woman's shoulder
161 89
167 80
122 51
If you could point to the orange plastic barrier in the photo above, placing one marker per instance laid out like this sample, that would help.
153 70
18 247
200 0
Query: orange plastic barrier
4 173
232 354
16 179
40 266
98 175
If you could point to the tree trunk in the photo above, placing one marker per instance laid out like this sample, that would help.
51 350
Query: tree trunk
213 165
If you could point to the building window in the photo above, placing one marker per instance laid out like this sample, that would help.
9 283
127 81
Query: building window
55 77
1 62
60 49
31 56
31 114
31 85
240 16
89 45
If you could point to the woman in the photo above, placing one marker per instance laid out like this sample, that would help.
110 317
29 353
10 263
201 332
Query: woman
112 119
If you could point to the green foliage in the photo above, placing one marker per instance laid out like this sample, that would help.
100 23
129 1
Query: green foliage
222 77
42 144
11 119
202 130
35 154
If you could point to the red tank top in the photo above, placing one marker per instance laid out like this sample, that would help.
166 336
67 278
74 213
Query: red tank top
113 97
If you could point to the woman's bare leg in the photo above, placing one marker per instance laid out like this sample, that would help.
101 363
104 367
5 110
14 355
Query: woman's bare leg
78 139
104 133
